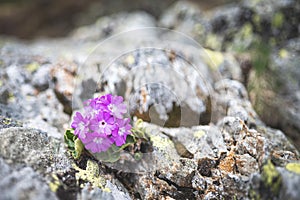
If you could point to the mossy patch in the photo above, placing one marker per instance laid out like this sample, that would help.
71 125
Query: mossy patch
293 167
271 177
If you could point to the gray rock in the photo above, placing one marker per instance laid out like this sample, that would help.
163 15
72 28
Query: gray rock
23 183
152 77
279 107
6 122
166 79
290 182
41 78
33 148
186 17
206 159
232 100
114 24
96 193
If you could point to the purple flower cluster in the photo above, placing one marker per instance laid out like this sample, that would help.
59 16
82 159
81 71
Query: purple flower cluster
101 123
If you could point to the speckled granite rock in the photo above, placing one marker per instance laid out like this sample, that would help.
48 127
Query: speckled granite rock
33 148
166 79
26 78
96 193
22 184
218 162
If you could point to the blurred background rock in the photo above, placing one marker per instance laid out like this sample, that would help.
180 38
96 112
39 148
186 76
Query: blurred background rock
33 18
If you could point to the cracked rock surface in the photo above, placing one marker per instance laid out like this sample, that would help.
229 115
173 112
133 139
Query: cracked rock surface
210 114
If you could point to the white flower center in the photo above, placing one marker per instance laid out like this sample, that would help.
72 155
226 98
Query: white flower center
102 123
81 126
121 131
98 140
112 107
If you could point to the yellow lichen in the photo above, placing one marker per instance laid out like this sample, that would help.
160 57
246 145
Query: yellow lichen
6 121
271 177
91 174
278 20
32 67
256 19
283 53
199 29
11 97
212 41
54 185
160 142
214 59
254 195
293 167
246 30
130 59
199 134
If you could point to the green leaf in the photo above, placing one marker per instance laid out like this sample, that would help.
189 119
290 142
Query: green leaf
130 139
69 139
74 145
78 148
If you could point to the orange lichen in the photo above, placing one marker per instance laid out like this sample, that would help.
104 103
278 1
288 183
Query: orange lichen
228 163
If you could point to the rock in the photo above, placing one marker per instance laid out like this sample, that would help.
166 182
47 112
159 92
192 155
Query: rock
232 100
6 122
290 181
275 183
114 24
246 162
23 183
4 90
41 78
186 17
28 99
208 142
33 148
217 167
238 26
150 77
115 193
274 92
62 75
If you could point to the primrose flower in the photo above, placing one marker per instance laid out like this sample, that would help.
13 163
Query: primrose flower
102 123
